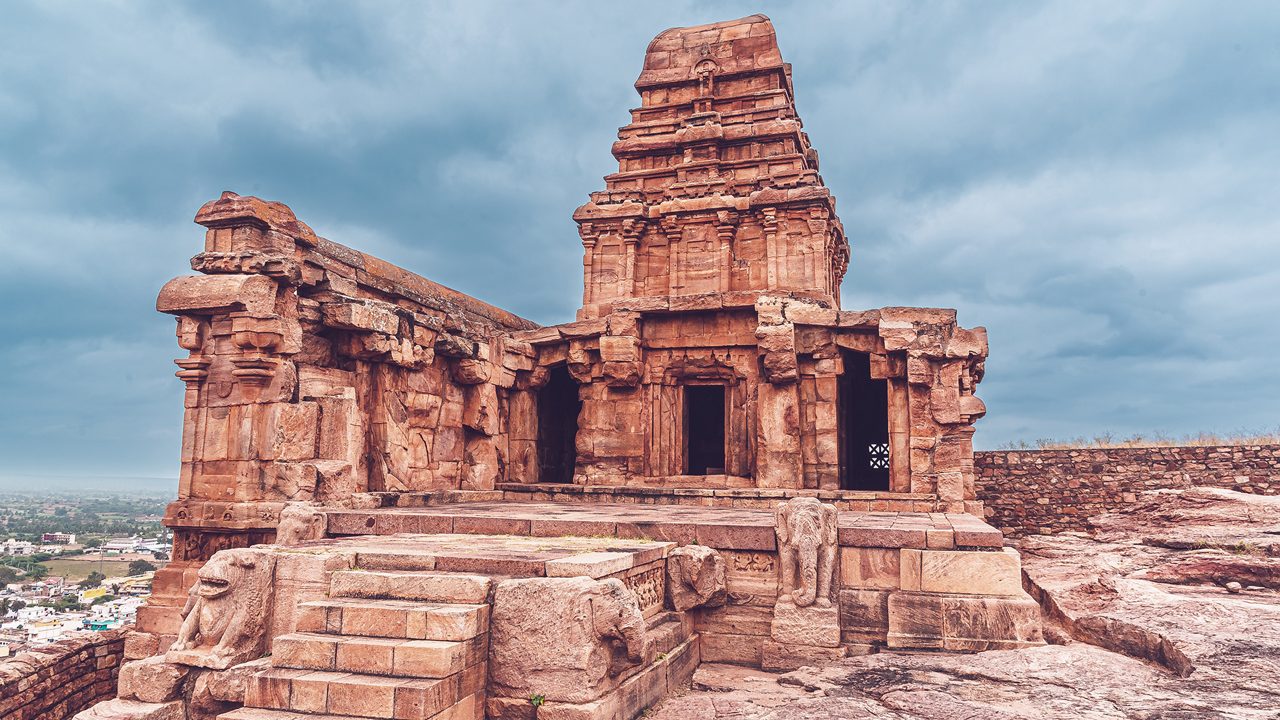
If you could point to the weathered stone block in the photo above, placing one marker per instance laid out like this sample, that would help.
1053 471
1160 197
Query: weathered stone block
362 315
971 573
593 565
209 294
915 620
123 709
806 314
909 569
812 625
564 638
990 623
864 615
732 649
152 680
778 656
615 348
869 568
430 587
138 645
695 578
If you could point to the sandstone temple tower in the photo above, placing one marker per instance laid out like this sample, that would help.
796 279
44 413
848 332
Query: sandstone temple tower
711 350
406 496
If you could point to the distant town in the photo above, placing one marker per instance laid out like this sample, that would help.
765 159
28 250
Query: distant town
75 561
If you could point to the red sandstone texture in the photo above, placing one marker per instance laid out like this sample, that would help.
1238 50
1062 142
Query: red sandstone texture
1144 617
58 680
712 260
1047 491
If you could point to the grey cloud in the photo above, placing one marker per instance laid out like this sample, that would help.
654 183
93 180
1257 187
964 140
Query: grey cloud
1094 182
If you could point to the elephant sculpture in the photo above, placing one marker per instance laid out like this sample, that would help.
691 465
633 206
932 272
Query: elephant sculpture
807 544
568 639
619 622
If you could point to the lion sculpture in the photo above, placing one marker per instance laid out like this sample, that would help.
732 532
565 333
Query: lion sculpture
225 619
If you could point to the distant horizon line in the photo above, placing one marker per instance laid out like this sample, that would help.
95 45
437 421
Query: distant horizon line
68 476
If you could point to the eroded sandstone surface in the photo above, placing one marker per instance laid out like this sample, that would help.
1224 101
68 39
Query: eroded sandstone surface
1144 610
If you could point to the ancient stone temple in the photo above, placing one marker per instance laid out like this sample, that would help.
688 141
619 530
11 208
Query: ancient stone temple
397 501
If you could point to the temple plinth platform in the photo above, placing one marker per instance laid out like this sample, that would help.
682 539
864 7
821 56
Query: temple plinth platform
926 580
500 555
721 528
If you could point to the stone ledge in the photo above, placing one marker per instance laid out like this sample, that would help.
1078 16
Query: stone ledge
720 528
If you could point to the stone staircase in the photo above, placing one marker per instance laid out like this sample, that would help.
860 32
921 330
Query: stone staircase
395 644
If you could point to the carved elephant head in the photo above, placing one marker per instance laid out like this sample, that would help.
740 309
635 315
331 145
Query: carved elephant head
300 522
617 618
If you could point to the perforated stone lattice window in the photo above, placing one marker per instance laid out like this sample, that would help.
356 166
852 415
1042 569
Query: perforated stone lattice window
878 456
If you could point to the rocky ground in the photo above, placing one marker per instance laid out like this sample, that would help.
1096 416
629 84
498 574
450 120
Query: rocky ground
1169 610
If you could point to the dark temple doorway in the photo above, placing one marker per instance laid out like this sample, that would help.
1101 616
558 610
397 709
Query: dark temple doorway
864 426
558 408
704 429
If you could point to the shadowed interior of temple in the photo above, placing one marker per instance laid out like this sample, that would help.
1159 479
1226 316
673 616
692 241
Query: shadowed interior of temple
558 408
864 424
704 429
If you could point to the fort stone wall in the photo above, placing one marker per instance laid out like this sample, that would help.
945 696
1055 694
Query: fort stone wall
1052 491
59 680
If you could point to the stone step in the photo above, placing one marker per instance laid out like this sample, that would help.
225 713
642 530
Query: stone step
668 630
296 694
388 558
407 619
376 655
440 587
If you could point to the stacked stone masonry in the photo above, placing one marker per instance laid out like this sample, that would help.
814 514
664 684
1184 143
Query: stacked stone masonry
1050 491
400 502
56 681
317 373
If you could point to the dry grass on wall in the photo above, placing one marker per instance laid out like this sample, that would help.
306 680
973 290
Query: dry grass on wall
1157 439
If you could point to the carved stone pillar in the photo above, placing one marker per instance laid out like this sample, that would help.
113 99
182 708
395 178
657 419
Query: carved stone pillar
726 230
778 461
589 236
632 229
769 220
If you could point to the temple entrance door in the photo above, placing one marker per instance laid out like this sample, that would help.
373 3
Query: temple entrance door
864 426
704 414
558 408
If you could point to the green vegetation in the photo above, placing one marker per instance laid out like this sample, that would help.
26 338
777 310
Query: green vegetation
66 603
21 569
91 517
140 567
77 569
8 605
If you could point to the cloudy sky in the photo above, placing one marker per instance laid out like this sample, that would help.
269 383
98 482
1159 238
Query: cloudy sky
1096 183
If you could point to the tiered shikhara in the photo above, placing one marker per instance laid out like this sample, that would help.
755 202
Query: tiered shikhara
710 365
714 257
